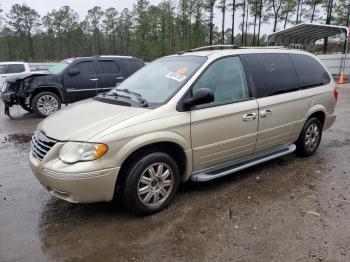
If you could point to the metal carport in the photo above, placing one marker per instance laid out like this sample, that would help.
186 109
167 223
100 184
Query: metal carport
307 34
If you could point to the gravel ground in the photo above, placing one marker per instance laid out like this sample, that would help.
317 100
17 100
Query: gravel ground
289 209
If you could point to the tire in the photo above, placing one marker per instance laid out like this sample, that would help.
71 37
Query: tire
140 176
310 138
26 107
46 103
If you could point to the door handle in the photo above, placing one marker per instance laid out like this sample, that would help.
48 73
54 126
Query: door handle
249 117
94 79
266 113
120 78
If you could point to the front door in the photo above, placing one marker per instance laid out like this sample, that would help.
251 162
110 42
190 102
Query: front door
83 84
226 129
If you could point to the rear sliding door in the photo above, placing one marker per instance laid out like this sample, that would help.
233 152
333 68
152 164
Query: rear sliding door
279 101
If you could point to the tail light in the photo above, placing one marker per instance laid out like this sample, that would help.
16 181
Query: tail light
336 93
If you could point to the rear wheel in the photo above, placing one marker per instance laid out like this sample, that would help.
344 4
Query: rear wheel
46 103
150 184
310 138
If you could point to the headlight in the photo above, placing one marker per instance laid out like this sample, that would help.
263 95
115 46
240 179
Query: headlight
73 152
3 88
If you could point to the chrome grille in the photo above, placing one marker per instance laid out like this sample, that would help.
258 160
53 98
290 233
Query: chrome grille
41 144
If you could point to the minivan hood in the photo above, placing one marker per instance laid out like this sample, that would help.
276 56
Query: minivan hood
83 120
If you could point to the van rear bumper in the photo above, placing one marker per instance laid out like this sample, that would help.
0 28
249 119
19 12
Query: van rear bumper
329 121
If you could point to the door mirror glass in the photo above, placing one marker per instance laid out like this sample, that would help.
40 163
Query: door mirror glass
74 71
200 97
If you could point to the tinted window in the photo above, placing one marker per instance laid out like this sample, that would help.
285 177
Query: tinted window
108 67
309 71
272 73
132 65
86 68
11 69
227 79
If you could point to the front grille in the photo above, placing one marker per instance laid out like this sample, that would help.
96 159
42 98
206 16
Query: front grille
41 144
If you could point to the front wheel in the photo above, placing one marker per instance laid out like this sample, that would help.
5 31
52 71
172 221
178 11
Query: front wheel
46 103
310 138
150 184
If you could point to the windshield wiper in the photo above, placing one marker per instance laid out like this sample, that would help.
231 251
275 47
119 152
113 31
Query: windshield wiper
138 96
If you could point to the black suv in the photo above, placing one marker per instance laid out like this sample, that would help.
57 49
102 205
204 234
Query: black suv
69 81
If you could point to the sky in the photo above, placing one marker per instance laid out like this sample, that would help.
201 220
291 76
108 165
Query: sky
81 6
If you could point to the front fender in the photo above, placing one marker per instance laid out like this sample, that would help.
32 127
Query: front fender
155 137
48 88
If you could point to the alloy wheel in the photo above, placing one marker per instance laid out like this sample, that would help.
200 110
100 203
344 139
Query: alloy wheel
47 104
155 184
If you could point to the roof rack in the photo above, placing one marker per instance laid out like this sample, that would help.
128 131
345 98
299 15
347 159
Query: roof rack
214 47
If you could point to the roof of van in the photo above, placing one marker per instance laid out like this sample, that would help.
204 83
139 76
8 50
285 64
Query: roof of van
240 50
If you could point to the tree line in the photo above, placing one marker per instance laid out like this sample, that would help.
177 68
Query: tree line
150 31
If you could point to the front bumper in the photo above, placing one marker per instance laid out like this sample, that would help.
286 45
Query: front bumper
9 98
84 187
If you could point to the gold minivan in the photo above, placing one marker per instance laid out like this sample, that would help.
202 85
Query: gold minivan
197 115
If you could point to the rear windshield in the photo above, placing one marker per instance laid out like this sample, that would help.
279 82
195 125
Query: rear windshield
12 68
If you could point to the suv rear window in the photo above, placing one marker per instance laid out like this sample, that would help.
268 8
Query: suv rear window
309 71
272 73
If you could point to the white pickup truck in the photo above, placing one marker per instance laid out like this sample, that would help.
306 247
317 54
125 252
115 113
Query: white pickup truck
13 68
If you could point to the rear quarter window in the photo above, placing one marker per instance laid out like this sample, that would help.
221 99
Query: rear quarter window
309 71
132 65
272 74
108 67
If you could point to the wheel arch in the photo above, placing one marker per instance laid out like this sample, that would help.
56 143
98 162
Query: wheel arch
50 88
318 111
179 150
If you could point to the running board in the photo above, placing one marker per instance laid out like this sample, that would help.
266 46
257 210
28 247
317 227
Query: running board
225 170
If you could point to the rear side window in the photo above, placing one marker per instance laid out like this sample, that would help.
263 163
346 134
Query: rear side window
12 69
309 71
272 73
108 67
132 65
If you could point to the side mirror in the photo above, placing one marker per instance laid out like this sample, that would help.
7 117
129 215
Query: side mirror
200 97
74 71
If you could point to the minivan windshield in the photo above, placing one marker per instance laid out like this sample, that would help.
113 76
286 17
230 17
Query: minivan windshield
159 80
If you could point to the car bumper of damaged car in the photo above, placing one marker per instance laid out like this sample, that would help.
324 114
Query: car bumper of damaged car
9 98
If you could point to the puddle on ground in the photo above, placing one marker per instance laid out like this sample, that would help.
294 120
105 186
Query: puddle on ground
18 138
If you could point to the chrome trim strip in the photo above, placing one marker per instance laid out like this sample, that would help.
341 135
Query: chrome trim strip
90 89
41 144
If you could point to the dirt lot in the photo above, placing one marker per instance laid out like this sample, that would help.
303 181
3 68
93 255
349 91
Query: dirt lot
290 209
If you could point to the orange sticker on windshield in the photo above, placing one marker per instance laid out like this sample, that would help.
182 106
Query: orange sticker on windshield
182 70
